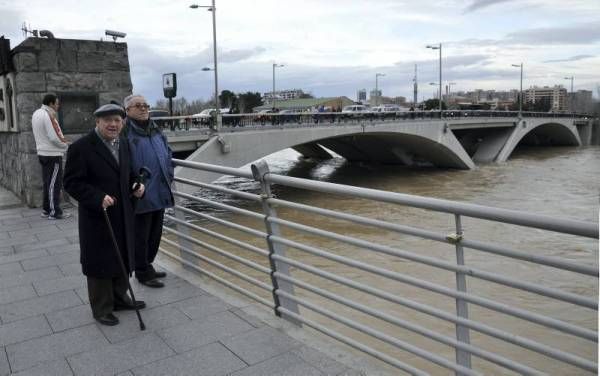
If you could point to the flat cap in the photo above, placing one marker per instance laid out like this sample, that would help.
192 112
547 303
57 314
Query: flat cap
109 109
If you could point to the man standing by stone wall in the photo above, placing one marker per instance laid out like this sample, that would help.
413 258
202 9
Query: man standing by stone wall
51 146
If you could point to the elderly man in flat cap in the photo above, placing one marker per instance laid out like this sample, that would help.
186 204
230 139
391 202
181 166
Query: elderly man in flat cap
98 176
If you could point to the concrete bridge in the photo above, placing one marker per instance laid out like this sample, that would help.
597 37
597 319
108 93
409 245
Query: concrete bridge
458 140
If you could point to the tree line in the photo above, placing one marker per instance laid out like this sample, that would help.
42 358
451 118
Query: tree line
236 103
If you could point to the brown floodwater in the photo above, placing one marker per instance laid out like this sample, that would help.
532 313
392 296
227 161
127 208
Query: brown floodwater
560 181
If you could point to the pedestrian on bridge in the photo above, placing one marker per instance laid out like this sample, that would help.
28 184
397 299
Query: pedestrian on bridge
149 149
51 146
98 176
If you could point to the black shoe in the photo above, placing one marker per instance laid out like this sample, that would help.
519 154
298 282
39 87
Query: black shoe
139 304
155 283
109 319
157 274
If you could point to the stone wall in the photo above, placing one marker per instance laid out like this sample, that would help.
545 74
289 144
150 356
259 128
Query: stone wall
83 73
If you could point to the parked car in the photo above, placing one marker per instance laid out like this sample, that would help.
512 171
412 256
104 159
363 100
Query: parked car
387 108
355 108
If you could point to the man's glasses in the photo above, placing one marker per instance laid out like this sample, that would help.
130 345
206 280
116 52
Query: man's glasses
140 106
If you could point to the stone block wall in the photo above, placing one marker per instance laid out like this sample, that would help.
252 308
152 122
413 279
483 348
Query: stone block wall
83 73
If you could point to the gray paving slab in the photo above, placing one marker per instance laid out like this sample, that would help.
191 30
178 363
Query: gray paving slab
283 365
42 223
34 231
58 367
51 286
69 318
320 361
259 344
128 373
36 244
4 234
10 269
185 337
16 293
43 262
82 293
4 366
27 278
71 269
6 251
62 248
31 353
36 306
14 226
23 330
174 292
202 306
21 242
14 257
209 360
252 320
154 318
109 360
73 239
62 234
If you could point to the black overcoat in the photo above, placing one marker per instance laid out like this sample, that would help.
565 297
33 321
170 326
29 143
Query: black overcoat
91 172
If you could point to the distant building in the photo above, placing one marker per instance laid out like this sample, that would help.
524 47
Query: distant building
361 95
282 95
581 101
556 96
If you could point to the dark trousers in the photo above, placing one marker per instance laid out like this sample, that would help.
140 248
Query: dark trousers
148 231
104 292
52 177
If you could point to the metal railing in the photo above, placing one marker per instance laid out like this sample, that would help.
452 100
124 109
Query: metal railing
277 287
205 122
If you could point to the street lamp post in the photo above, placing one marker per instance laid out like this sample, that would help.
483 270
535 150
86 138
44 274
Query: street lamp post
275 65
439 47
213 9
520 90
571 97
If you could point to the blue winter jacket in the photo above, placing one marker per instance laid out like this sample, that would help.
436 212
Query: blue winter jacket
149 148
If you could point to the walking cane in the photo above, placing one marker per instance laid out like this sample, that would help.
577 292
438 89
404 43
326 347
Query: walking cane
125 274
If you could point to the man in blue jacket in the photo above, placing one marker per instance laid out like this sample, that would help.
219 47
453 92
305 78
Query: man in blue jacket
148 148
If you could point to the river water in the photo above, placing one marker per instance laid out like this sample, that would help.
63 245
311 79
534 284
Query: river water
557 181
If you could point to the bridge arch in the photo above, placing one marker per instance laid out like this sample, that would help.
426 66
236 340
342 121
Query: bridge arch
541 132
431 143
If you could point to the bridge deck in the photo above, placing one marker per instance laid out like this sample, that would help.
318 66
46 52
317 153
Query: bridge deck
46 326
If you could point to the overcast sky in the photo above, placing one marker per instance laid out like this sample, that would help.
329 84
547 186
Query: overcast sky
334 47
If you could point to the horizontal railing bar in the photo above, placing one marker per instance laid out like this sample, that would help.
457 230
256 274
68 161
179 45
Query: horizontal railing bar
472 272
541 260
426 234
232 286
351 342
480 327
221 252
213 168
216 235
449 341
574 227
484 302
218 188
230 208
441 361
235 226
225 268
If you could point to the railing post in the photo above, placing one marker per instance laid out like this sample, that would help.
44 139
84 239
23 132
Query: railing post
463 358
183 243
259 170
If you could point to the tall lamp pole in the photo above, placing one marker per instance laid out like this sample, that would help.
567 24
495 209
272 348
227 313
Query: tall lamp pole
275 65
520 90
213 9
572 96
377 75
439 47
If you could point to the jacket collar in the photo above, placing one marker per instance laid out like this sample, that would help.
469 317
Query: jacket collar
151 129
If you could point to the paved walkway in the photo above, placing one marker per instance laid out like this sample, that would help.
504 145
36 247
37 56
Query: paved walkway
46 326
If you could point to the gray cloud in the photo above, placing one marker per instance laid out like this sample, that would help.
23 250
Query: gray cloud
575 34
10 23
572 58
479 4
